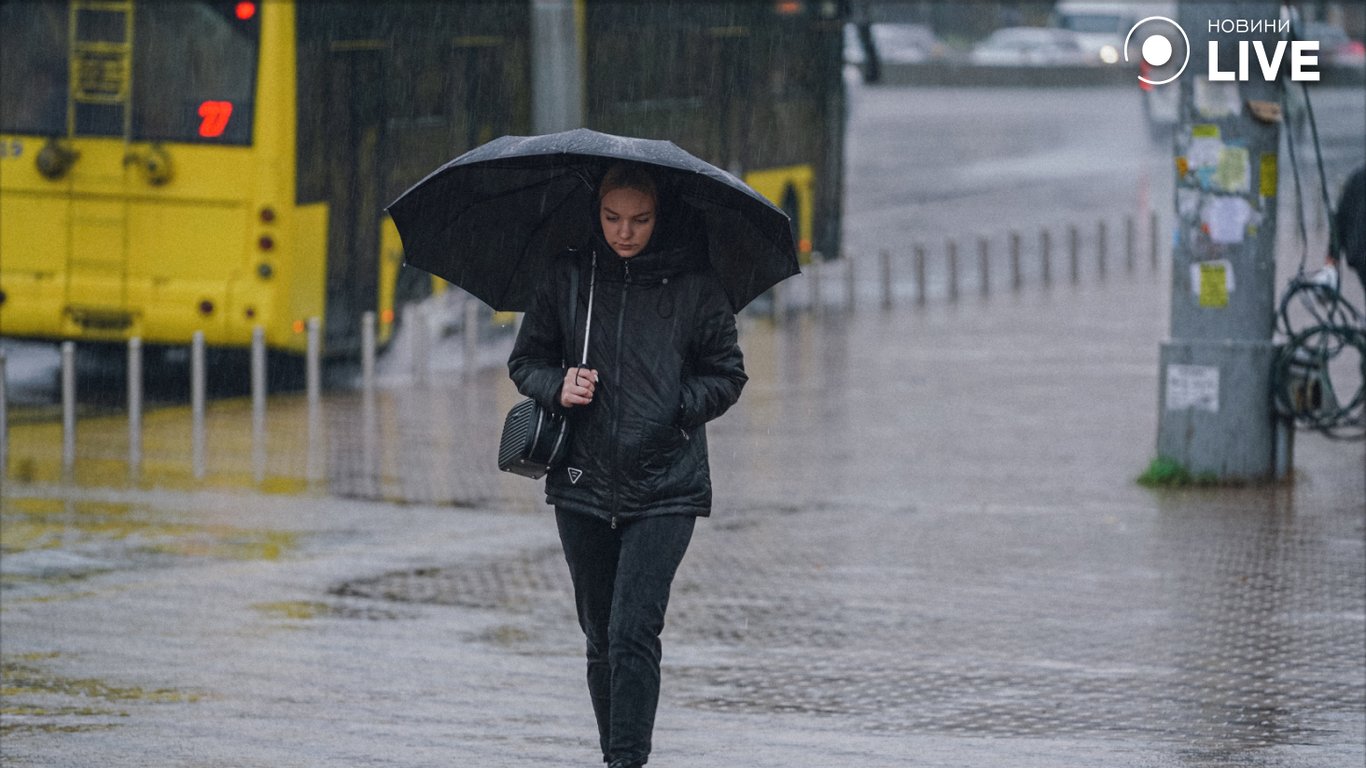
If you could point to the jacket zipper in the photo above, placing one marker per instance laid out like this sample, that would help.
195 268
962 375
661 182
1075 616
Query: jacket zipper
616 414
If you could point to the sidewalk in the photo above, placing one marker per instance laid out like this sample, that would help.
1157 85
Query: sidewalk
927 550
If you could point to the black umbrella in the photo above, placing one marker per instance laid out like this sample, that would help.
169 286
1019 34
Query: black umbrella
487 220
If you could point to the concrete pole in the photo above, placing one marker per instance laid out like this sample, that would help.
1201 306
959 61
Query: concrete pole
557 65
1215 417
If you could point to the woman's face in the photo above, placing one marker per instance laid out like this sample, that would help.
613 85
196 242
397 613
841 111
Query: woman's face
628 220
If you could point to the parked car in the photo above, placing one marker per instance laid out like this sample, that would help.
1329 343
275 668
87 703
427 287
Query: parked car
1101 27
895 44
1336 49
1028 47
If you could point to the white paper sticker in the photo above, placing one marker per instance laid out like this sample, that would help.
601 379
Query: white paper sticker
1193 387
1227 218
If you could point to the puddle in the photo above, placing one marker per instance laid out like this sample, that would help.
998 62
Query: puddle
51 545
37 699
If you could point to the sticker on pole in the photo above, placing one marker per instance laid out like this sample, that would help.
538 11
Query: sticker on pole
1193 387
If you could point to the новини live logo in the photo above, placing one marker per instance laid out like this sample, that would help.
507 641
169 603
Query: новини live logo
1157 50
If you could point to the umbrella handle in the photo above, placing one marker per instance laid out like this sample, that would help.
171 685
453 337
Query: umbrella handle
588 320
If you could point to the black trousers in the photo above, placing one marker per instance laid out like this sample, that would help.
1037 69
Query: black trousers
622 578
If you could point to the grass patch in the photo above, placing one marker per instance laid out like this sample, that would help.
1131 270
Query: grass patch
1166 472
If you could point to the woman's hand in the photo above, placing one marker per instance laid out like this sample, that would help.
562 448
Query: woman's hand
578 387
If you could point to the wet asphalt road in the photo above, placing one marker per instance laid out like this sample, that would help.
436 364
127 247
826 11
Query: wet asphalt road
928 549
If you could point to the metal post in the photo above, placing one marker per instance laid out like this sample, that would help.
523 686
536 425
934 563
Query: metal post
886 260
367 352
4 423
1152 241
1215 416
313 383
1101 237
850 286
198 382
1016 279
1073 253
421 331
471 310
313 377
984 265
1129 244
556 51
1046 257
68 407
817 267
920 292
134 407
258 403
953 269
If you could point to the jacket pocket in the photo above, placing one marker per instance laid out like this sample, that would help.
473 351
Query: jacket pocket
658 461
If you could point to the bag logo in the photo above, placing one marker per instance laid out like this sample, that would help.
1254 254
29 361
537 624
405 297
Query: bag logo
574 475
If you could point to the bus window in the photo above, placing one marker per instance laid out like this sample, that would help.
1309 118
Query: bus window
194 72
33 70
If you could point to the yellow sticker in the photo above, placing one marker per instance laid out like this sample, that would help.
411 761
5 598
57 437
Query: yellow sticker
1269 175
1205 131
1182 166
1214 285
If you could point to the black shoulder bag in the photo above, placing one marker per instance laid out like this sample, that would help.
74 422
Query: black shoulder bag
535 438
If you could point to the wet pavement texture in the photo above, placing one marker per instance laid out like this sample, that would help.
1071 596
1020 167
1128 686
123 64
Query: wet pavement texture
928 549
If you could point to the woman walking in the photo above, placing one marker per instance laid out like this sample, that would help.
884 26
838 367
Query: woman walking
663 361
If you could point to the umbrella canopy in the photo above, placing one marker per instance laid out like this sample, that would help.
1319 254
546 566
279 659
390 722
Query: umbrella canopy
488 220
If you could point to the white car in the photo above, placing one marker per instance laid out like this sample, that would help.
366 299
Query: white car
1028 47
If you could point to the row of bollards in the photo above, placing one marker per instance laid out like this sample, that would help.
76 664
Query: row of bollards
198 399
952 264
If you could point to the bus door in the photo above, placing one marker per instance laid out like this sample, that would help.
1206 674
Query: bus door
99 172
355 107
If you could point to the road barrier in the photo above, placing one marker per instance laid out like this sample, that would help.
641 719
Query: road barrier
956 275
831 284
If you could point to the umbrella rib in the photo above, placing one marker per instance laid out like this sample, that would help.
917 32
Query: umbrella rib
534 231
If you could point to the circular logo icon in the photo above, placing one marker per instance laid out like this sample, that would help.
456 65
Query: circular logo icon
1157 49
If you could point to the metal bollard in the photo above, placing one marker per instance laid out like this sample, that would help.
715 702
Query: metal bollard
134 407
1152 239
198 382
920 293
1101 237
850 286
421 331
1016 279
1046 257
1129 244
313 375
1073 253
313 383
953 270
68 407
258 403
886 260
984 265
817 267
4 422
471 310
367 352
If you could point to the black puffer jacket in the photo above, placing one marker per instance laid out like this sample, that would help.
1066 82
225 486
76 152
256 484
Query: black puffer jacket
664 344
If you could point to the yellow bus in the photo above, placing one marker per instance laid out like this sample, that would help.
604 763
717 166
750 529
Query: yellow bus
172 167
